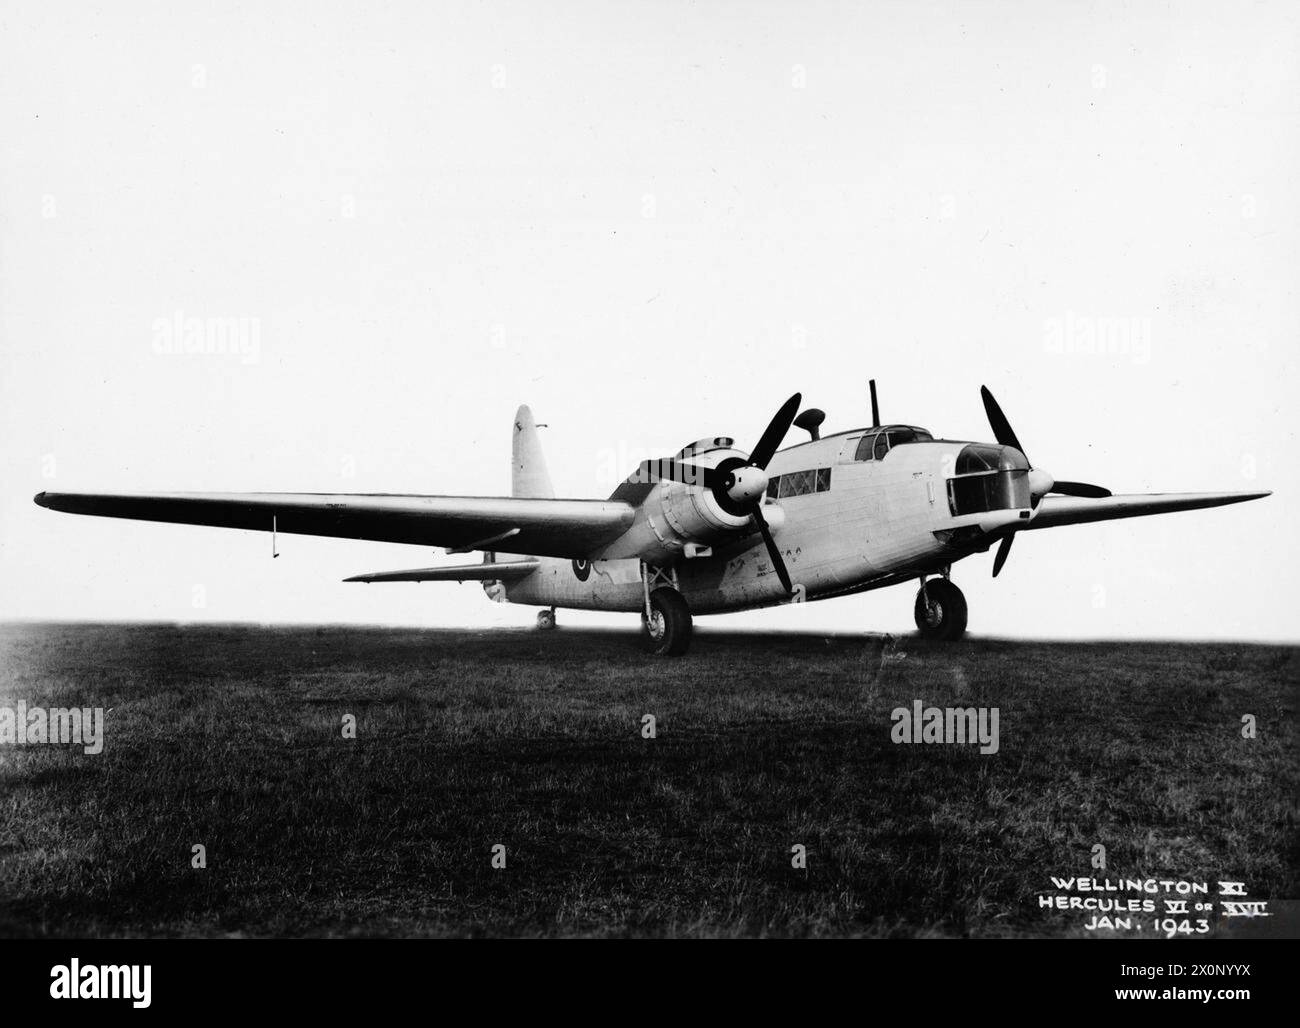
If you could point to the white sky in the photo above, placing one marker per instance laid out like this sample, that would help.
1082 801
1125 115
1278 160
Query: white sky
652 222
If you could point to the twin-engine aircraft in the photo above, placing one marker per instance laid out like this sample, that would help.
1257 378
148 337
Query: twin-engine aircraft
711 529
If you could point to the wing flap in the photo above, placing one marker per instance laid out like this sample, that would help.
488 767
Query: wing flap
545 527
491 572
1054 511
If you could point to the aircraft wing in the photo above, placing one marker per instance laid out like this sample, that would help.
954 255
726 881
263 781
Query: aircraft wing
496 571
1053 511
543 527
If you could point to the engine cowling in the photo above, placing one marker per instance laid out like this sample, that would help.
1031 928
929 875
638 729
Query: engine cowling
708 492
685 512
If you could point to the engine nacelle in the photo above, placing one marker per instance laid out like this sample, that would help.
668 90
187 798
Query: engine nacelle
692 513
676 511
679 513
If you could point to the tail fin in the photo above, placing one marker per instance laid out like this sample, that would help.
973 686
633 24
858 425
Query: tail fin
529 477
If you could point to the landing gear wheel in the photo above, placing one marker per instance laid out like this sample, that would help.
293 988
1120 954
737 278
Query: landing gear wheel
667 631
944 617
546 620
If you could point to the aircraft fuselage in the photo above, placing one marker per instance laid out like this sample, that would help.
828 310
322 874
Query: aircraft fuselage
860 524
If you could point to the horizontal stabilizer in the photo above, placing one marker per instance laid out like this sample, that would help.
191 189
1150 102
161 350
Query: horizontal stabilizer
505 571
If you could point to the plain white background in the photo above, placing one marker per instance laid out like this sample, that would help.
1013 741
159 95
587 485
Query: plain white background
652 222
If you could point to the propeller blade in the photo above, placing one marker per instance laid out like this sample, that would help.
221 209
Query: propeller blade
1003 433
998 421
775 432
1094 492
1004 548
670 470
778 561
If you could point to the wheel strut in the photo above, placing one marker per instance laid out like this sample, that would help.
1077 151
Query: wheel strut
666 620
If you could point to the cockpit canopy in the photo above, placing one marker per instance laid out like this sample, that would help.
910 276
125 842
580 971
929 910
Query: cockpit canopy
877 442
720 442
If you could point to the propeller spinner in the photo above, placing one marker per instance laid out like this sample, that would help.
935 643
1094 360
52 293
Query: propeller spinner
739 484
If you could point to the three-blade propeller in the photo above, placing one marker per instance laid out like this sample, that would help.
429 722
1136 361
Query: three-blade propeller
738 484
1040 482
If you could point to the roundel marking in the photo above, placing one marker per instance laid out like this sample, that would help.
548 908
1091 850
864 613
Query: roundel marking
582 568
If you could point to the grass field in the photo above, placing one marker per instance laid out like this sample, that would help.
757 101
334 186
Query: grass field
230 737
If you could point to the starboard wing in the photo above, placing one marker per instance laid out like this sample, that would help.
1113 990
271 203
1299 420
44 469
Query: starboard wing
545 527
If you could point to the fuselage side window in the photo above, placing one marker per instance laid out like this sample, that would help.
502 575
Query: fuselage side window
799 483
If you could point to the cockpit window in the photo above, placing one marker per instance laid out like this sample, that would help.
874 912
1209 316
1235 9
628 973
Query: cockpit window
875 445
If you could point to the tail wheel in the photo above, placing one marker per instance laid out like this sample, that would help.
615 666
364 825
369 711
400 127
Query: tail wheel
940 610
546 620
667 631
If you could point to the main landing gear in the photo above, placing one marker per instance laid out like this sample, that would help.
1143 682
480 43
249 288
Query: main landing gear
666 619
940 610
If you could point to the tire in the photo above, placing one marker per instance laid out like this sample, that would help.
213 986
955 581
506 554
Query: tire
946 618
668 633
545 620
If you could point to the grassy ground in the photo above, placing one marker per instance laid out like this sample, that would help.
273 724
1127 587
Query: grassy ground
230 737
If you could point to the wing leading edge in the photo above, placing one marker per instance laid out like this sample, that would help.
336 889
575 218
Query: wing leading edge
1054 511
542 527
